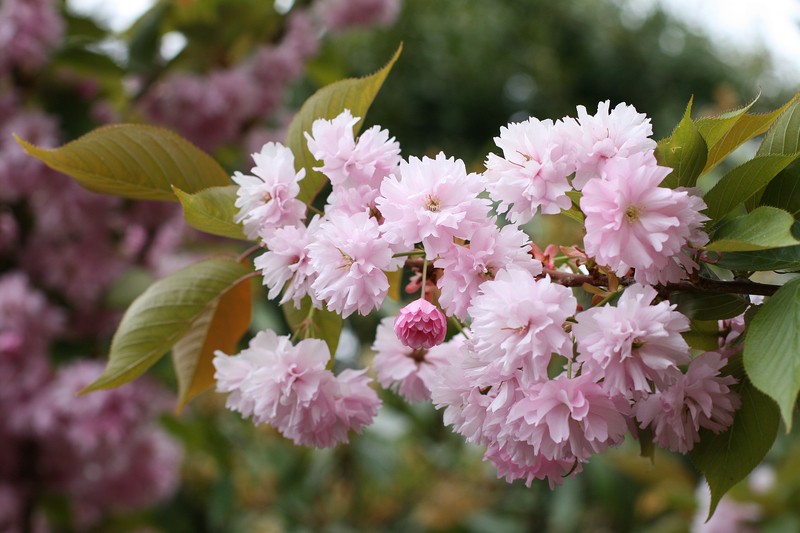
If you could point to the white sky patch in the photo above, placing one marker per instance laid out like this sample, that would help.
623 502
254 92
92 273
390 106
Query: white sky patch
118 15
737 26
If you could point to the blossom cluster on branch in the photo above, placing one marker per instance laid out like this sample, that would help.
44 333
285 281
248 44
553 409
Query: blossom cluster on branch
539 381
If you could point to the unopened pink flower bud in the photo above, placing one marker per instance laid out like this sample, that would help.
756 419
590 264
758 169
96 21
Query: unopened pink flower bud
420 324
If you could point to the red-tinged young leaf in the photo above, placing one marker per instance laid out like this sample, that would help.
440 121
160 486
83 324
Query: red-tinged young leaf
221 327
134 161
354 94
164 314
772 349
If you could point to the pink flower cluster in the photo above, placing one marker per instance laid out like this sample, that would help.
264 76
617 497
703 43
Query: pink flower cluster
541 383
290 388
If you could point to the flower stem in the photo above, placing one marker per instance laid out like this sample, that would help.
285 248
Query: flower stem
424 276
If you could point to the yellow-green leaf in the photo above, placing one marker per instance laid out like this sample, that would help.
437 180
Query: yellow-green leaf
354 94
134 161
212 210
220 327
163 314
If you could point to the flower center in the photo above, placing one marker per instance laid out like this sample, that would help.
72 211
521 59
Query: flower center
418 355
632 213
266 197
432 203
347 261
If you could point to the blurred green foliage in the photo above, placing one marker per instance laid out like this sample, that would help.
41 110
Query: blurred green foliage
470 66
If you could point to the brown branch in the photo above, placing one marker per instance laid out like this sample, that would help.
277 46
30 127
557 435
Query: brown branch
569 279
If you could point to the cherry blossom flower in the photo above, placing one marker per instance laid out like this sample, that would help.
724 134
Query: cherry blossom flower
348 162
631 222
289 388
467 267
420 325
409 371
286 266
268 200
607 136
431 201
700 398
517 322
350 257
532 174
537 467
566 417
633 344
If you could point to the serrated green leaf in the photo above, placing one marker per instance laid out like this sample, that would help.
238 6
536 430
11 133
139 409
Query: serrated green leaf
703 305
743 182
762 228
220 327
163 314
783 138
714 129
134 161
353 94
725 133
684 152
787 258
727 458
212 210
772 349
311 323
784 190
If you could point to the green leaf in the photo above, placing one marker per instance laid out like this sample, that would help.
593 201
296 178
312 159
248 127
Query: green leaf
163 314
145 38
787 258
703 335
703 305
727 458
220 327
212 210
762 228
743 182
395 284
134 161
784 190
353 94
783 138
684 152
725 133
772 348
311 323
